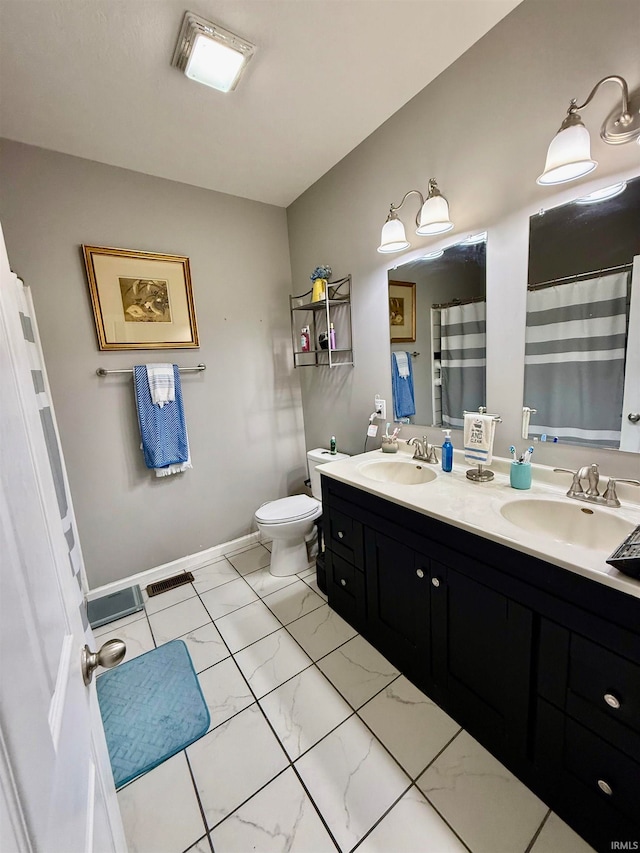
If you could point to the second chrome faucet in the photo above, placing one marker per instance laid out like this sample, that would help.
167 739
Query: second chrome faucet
591 474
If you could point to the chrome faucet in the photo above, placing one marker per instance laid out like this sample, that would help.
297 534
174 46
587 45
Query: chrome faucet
592 495
424 452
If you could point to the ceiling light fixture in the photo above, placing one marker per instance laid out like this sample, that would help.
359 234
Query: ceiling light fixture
569 155
603 194
433 218
209 54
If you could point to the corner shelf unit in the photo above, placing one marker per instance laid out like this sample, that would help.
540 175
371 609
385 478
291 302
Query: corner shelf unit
334 308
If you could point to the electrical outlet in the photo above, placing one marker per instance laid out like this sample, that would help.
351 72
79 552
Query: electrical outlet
381 407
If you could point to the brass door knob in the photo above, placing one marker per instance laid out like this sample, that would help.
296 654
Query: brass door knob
108 656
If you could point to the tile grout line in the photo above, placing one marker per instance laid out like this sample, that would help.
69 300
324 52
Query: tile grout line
537 832
200 806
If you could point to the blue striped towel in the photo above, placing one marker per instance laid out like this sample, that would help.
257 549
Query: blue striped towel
161 384
479 432
163 430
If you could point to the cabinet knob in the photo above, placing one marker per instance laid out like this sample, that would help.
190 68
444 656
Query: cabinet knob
611 700
420 573
340 534
435 581
605 787
343 582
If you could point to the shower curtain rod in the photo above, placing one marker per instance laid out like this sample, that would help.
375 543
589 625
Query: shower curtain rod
102 372
455 302
568 278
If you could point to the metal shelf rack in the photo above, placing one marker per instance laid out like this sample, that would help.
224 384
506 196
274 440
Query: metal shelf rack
334 307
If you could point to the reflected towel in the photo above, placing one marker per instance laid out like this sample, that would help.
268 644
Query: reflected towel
479 432
403 399
402 360
163 431
161 383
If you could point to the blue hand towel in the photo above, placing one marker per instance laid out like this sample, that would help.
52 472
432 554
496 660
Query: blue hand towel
163 430
403 400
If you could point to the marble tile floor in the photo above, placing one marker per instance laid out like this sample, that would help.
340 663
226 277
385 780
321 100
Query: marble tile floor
317 743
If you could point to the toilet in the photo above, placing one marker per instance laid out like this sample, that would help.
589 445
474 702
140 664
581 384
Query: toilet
288 522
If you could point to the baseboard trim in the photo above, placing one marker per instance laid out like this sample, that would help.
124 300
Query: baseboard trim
183 564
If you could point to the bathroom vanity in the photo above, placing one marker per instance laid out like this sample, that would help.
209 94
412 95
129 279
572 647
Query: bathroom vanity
528 639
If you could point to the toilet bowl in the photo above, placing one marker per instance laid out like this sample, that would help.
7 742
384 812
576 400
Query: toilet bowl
288 522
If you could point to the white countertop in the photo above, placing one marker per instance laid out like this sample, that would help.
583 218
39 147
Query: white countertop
475 507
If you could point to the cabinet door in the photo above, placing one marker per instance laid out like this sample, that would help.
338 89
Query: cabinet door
481 655
398 603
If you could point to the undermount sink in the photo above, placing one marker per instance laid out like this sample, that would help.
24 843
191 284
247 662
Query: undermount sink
409 473
573 524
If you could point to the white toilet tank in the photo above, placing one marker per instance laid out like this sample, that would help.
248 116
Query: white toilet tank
316 457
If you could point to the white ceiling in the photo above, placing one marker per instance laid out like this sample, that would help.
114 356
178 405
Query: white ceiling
93 78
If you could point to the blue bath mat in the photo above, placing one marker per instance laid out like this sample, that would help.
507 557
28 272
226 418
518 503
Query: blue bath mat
152 707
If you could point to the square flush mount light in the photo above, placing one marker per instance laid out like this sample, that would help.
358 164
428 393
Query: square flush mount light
210 54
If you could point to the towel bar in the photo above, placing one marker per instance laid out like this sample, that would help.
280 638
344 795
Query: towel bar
102 372
482 410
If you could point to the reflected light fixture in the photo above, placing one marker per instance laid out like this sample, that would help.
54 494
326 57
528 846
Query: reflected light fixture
210 54
432 218
569 155
604 194
431 256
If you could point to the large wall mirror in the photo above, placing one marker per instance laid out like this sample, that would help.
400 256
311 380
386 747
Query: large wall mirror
437 335
582 351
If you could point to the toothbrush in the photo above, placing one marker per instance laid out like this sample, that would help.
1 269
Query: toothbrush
512 451
528 454
387 431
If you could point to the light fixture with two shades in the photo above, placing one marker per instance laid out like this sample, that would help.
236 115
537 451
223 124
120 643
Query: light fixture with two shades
569 155
431 219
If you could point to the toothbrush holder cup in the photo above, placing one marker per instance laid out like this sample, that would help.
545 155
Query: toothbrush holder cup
520 475
389 445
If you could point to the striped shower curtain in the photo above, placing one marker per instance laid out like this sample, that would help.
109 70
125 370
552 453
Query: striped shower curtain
463 361
574 359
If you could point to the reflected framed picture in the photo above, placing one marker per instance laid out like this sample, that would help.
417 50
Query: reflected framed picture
140 300
402 311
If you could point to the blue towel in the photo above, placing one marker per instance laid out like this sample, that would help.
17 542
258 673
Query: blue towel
163 430
403 400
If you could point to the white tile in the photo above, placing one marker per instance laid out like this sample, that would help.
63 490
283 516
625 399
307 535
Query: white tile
309 572
358 670
271 661
165 790
293 601
412 825
278 818
352 779
214 574
247 625
201 846
251 560
321 631
136 637
264 583
313 583
234 761
412 727
556 836
206 646
178 620
110 627
491 810
225 691
169 598
304 709
227 598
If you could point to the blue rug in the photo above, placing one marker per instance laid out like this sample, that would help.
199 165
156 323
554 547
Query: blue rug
152 707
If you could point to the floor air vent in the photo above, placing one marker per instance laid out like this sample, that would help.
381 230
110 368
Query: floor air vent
169 583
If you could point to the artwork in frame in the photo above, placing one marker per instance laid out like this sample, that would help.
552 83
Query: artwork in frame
402 311
141 300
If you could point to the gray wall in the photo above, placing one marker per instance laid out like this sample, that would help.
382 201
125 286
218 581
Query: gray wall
482 129
243 414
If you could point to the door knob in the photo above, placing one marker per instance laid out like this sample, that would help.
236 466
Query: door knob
108 656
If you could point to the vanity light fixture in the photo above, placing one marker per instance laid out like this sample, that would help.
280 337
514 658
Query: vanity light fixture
210 54
569 155
604 194
433 218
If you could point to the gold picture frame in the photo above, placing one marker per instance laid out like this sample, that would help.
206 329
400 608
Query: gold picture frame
140 300
402 312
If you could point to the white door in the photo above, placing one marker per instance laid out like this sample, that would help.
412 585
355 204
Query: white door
56 788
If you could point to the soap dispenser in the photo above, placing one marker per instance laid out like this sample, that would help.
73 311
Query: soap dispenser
447 451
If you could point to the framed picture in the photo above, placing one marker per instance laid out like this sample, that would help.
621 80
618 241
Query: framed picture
140 300
402 311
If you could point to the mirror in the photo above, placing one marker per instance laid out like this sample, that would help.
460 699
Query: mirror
582 350
437 335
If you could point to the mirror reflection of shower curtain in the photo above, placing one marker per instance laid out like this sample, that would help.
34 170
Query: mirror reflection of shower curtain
574 359
463 361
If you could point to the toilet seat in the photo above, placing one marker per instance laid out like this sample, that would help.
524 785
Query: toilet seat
284 510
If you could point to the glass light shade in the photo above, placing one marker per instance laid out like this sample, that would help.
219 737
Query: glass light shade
434 217
393 237
214 64
569 156
603 194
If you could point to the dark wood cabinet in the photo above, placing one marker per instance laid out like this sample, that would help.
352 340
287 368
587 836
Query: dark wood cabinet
539 664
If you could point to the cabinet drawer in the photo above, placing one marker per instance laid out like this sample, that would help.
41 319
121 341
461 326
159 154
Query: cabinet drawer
343 535
608 681
346 590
